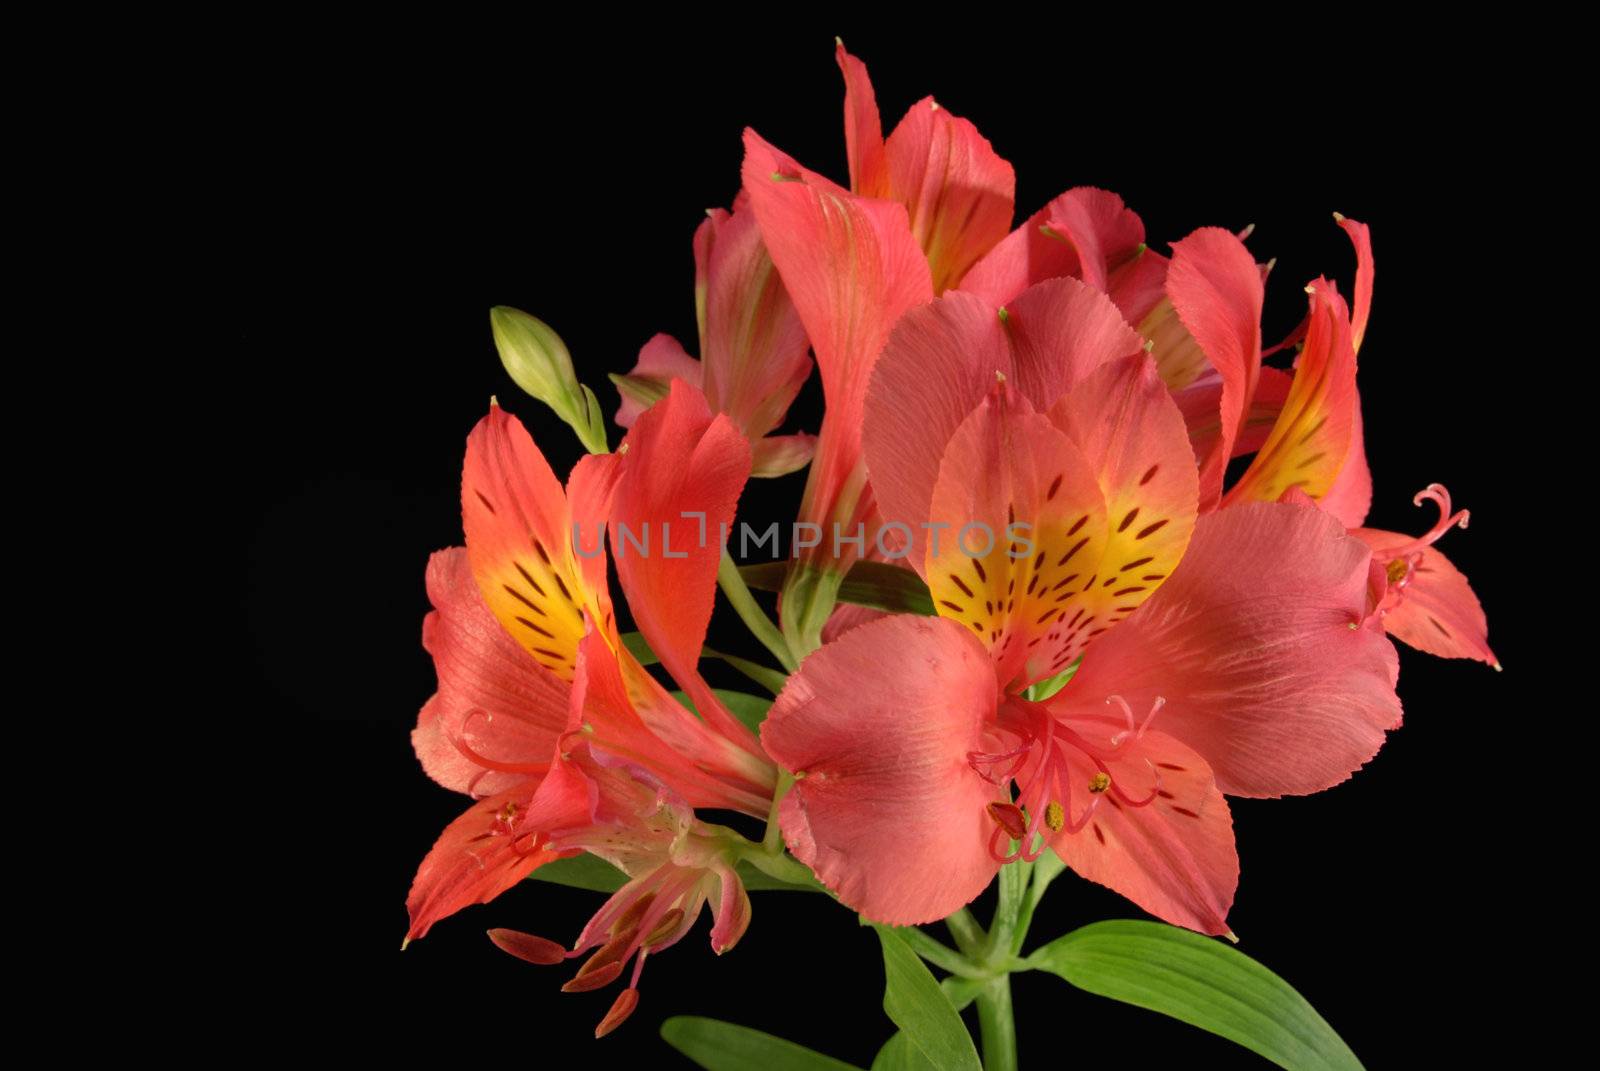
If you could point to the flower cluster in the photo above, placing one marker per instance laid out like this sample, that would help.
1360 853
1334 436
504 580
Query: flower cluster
1143 640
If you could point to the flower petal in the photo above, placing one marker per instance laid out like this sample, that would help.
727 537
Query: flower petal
941 361
1174 856
518 541
957 191
1084 233
1022 522
863 130
779 455
493 702
754 349
474 860
1307 446
1438 611
1254 645
678 486
662 360
889 812
1133 436
1216 290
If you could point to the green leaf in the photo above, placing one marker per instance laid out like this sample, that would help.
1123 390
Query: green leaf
750 709
898 1054
916 1004
720 1046
582 871
1201 981
585 871
878 585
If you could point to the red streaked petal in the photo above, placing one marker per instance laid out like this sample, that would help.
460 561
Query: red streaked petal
1437 611
1307 446
1175 857
474 860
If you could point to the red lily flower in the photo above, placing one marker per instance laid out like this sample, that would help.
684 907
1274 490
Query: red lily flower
753 346
529 660
906 735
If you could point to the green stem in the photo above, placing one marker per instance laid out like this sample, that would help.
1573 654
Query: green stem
745 605
772 842
939 954
997 1026
969 936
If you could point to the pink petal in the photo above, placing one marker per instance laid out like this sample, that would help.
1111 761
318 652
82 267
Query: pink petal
679 483
889 813
753 348
1201 404
852 269
1174 856
1103 231
1216 290
1438 611
1084 233
1254 645
941 361
957 191
1014 584
779 455
474 860
1361 237
660 362
493 702
863 130
1350 497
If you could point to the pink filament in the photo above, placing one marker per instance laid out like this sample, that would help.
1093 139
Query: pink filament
1436 494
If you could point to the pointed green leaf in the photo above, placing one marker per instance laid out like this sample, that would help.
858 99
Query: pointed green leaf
916 1004
1201 981
720 1046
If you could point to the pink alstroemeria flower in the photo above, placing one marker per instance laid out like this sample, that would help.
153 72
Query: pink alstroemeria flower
753 348
907 736
1305 428
542 715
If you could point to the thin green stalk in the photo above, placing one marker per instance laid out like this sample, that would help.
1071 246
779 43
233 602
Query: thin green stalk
939 954
745 605
997 1026
1013 893
772 842
969 936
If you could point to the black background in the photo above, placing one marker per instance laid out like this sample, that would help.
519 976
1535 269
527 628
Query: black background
385 208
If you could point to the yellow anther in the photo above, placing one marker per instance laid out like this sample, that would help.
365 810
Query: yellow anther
1099 782
1055 817
1397 570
